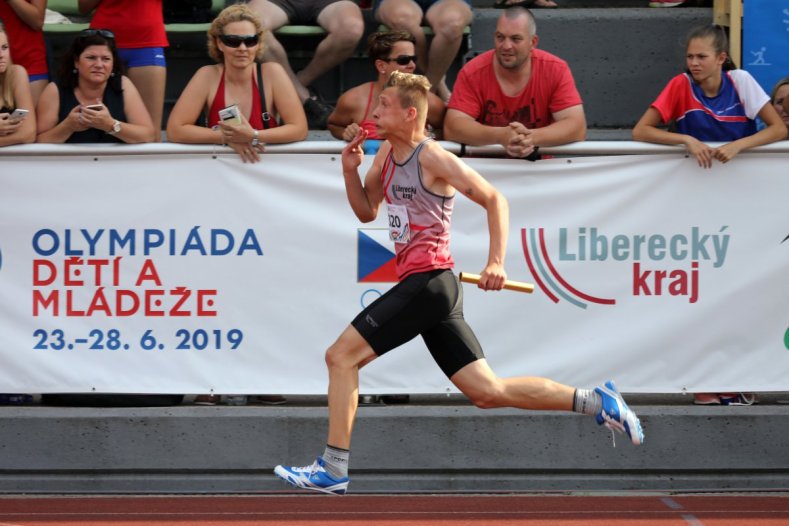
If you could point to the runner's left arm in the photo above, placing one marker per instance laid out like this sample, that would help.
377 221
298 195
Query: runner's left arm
445 165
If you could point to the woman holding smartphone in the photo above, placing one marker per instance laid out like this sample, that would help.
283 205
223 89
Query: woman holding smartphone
246 104
93 102
17 120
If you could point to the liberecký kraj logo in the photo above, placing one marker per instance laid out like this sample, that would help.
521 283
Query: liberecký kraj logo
656 264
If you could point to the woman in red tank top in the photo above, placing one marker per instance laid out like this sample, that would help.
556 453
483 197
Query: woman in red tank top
269 110
390 51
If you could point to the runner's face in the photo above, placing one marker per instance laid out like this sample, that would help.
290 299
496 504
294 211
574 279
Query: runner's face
702 60
388 114
512 41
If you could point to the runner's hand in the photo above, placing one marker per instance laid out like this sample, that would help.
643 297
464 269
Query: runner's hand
493 277
353 154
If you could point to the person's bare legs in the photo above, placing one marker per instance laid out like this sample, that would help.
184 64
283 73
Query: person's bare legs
150 81
36 87
344 359
406 15
272 18
448 18
481 385
345 26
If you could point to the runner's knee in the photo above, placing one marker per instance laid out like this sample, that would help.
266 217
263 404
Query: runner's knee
487 397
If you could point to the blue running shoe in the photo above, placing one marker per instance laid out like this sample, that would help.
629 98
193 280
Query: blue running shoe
313 477
616 415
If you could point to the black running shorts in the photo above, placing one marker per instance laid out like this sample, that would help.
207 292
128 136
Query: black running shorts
430 304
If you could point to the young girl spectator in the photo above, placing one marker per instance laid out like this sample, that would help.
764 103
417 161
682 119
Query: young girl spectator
94 101
140 36
269 110
24 21
711 102
14 94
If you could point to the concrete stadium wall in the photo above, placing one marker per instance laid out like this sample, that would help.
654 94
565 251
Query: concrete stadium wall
403 448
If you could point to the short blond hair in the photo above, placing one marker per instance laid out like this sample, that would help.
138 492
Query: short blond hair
234 13
412 91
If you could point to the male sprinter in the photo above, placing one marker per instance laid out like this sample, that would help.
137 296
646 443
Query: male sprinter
428 300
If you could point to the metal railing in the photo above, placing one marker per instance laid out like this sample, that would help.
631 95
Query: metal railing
578 149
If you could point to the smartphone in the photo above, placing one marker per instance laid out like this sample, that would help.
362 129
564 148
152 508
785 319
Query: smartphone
95 107
19 113
230 115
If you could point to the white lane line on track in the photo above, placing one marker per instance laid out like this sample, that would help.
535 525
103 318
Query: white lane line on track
674 505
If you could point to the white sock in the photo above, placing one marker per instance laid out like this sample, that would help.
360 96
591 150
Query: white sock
335 461
587 402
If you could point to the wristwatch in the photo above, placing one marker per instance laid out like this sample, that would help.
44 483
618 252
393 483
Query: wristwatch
255 137
116 128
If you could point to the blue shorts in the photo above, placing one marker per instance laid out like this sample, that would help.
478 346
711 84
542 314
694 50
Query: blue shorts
143 56
39 76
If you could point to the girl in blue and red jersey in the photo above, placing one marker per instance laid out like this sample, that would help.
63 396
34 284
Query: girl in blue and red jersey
711 102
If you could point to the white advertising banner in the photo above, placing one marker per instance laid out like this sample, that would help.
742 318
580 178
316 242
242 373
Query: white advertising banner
196 273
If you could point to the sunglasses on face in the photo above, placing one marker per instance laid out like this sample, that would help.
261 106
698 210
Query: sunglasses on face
402 60
236 40
106 33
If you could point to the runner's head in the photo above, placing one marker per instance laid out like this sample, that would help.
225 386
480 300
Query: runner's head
412 92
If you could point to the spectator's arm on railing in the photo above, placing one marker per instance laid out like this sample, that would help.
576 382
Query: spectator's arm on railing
463 128
775 131
19 131
138 127
569 125
286 102
181 126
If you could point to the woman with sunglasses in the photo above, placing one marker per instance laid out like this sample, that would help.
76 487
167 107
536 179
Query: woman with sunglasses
15 128
140 35
390 51
268 109
93 101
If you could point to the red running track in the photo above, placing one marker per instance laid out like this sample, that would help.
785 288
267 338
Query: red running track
399 510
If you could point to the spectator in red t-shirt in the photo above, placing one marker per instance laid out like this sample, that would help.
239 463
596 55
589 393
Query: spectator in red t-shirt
515 95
